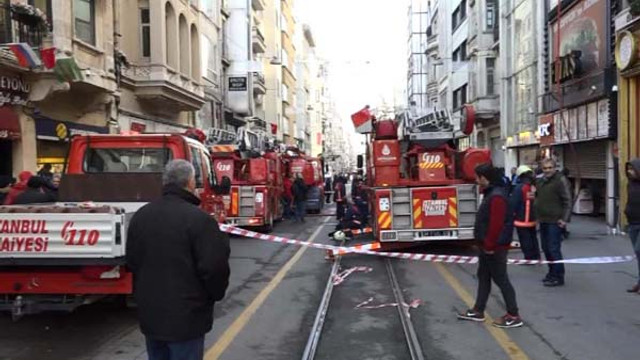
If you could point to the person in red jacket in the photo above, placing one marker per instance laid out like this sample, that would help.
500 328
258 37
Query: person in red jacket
493 229
18 188
287 197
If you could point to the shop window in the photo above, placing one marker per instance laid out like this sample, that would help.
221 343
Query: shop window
84 15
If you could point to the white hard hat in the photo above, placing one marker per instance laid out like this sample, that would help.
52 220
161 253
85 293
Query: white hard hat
523 169
339 235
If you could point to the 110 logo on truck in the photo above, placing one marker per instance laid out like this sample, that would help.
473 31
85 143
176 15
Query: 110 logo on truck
69 235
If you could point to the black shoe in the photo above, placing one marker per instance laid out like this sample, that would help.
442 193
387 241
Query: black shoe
547 278
553 283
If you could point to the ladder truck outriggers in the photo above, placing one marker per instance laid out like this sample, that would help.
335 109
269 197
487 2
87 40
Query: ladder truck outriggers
255 166
421 185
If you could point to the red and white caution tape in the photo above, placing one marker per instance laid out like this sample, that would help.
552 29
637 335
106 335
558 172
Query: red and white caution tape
340 277
365 304
355 248
448 259
366 230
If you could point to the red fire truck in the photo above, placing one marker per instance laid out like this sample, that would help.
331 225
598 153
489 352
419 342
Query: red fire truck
63 255
256 172
310 168
421 186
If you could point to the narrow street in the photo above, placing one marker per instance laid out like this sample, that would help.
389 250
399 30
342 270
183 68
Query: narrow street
274 294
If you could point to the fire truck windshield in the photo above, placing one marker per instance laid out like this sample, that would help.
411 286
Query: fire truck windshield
129 160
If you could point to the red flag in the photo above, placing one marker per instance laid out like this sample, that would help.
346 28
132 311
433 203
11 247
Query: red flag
274 128
48 56
362 120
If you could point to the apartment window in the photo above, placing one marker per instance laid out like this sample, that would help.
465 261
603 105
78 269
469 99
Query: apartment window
145 33
459 14
460 53
491 68
84 16
491 14
459 97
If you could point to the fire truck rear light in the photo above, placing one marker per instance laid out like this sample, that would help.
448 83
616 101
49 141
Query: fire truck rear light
255 221
388 235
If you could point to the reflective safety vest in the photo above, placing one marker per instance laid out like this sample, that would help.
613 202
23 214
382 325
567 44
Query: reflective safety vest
528 195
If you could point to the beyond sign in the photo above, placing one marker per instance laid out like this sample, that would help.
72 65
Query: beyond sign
569 67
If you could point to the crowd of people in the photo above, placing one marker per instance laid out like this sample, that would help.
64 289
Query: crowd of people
29 188
527 203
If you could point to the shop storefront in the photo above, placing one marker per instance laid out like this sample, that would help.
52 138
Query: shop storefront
627 37
9 132
579 121
52 140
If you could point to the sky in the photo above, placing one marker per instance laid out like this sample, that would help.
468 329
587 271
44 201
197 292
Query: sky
365 42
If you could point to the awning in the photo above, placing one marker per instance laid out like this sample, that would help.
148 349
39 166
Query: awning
9 123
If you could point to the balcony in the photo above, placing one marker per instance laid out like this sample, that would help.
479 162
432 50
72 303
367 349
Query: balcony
163 87
259 84
20 28
432 44
257 40
258 5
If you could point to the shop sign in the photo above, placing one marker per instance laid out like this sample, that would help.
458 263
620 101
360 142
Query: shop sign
49 129
545 130
567 67
137 127
583 29
14 91
586 122
237 83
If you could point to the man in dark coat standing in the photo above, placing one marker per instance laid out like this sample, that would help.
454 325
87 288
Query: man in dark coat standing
493 228
632 211
553 211
180 264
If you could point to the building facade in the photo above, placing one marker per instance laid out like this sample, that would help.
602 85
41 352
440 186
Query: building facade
520 47
287 60
483 90
72 91
578 125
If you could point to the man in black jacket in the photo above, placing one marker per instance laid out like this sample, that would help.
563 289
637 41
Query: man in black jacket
35 193
299 190
632 211
180 264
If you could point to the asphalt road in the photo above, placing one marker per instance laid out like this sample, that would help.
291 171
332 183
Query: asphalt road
275 291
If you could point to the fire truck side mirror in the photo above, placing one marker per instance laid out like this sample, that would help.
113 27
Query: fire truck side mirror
360 161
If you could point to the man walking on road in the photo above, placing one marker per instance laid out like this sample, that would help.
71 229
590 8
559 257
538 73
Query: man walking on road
521 204
553 210
180 264
493 229
632 211
300 198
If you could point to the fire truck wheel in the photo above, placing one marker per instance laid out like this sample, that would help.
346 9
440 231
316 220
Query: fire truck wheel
268 227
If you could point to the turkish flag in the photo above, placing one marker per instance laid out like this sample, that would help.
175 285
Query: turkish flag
362 120
274 128
48 57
